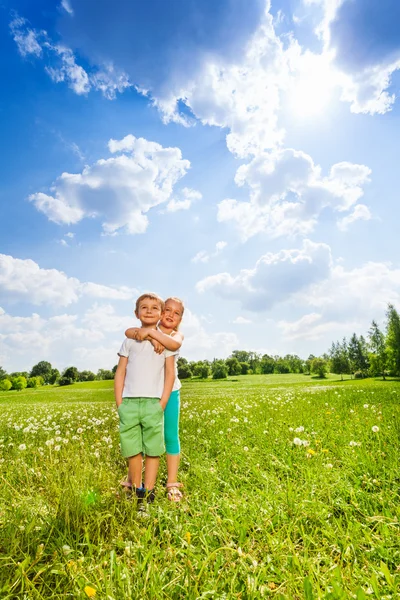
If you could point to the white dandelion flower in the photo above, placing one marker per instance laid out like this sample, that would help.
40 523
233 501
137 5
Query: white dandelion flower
22 447
375 428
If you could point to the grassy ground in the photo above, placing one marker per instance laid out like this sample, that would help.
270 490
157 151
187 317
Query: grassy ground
289 493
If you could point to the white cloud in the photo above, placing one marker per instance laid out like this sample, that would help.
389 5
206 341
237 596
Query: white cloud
119 190
241 321
23 280
203 256
275 277
365 56
66 5
288 192
360 212
200 344
184 201
28 40
69 71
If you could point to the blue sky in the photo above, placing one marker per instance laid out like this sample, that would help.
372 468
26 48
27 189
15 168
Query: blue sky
240 155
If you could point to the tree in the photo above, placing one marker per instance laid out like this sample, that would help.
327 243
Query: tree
267 364
34 382
71 373
5 385
205 371
233 366
338 357
88 376
245 367
184 371
104 374
307 364
54 376
393 340
18 383
377 344
65 380
3 373
219 370
42 369
358 354
319 367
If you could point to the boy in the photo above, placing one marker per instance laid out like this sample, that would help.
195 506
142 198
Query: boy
142 385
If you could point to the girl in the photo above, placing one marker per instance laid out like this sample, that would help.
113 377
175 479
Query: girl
167 336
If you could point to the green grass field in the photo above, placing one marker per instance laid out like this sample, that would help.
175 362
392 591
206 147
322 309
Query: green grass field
291 492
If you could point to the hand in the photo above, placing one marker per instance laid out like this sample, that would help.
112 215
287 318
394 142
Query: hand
139 334
163 405
158 348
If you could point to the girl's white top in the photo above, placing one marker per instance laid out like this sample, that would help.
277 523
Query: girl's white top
177 383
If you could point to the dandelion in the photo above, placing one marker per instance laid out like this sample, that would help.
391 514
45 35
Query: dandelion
311 451
57 448
66 549
22 447
305 443
49 443
299 429
89 591
366 405
353 443
297 441
246 449
375 428
329 466
188 537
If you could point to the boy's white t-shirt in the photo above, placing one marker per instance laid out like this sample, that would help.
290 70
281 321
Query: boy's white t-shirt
144 376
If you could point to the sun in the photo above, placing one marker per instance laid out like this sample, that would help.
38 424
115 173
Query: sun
310 90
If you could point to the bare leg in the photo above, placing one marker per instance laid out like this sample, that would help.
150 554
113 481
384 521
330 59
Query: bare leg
135 470
172 467
150 472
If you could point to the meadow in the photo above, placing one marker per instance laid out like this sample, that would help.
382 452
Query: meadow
291 492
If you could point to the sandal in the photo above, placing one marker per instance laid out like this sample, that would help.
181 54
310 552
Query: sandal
174 494
126 484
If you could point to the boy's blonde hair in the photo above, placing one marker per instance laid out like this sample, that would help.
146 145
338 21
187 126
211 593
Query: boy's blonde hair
150 296
178 300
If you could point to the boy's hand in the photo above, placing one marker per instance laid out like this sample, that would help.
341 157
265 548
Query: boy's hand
158 348
163 404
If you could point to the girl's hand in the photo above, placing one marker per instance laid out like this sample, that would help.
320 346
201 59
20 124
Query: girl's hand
136 333
158 348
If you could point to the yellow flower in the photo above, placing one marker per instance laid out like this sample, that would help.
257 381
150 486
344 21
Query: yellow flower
324 450
89 591
188 537
310 451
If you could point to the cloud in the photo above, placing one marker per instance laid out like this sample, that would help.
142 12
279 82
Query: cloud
60 61
363 34
274 279
203 256
119 190
66 5
360 212
242 321
200 344
288 193
184 201
24 281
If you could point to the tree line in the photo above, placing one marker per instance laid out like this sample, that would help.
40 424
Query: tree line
375 355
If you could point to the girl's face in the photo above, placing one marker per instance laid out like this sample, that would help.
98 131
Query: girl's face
172 315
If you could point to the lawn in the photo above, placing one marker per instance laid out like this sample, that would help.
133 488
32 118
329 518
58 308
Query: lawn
291 491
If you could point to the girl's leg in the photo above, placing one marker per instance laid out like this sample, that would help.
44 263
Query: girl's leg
171 435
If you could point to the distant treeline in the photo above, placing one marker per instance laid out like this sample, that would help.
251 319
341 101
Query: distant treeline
376 355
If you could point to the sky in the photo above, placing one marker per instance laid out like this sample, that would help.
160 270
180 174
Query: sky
240 154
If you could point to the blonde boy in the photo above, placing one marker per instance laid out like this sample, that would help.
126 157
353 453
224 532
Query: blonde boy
142 385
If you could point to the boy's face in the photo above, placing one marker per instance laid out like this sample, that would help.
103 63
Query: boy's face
149 312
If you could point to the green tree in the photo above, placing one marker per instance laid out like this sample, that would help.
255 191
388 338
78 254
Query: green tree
19 383
267 364
233 366
54 376
307 364
184 371
89 376
104 374
245 367
5 385
219 369
393 340
71 373
378 356
3 373
65 380
339 359
319 367
34 382
42 369
204 371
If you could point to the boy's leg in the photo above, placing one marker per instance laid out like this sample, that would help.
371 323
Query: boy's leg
153 440
135 470
151 470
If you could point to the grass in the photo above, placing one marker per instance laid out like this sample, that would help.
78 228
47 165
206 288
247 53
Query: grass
262 516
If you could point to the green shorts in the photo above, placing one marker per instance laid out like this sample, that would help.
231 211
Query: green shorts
141 426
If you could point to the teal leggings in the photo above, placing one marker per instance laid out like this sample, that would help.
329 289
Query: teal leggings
171 424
